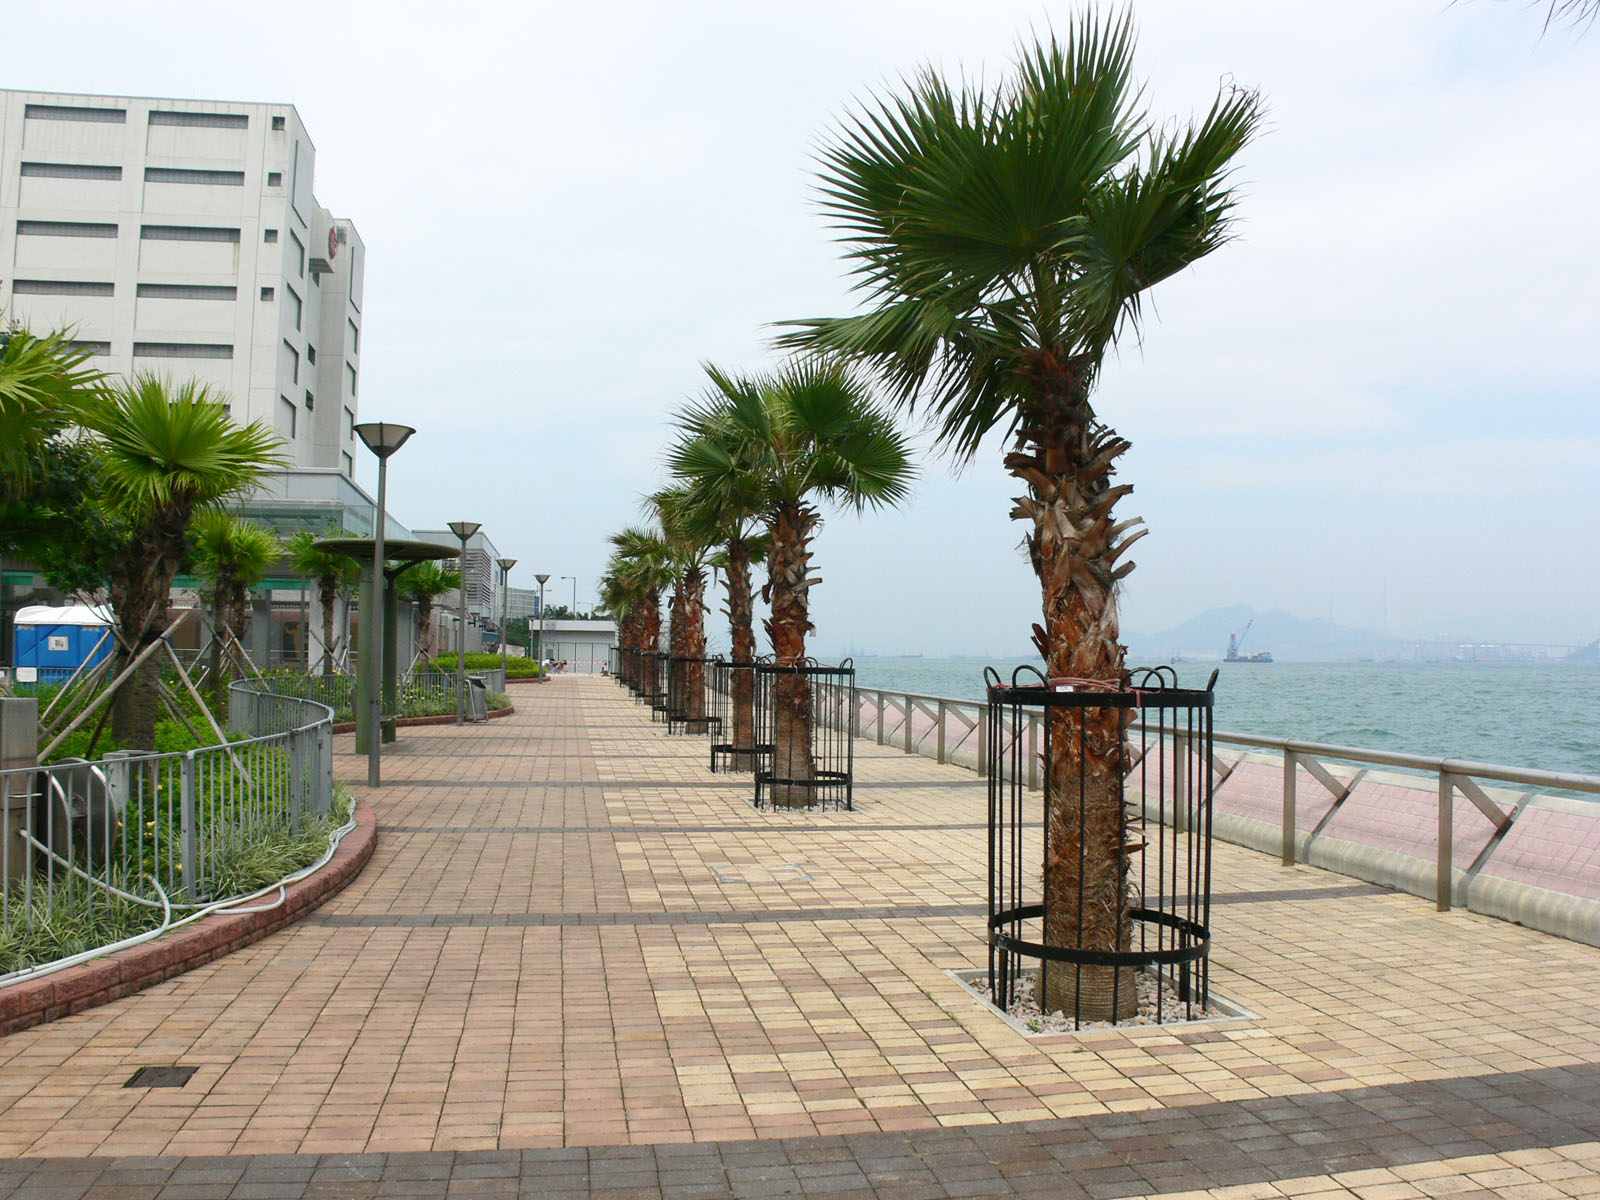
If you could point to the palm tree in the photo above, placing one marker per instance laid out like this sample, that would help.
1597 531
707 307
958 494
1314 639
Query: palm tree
233 554
639 571
334 573
785 441
1005 237
730 517
422 584
691 550
45 389
167 452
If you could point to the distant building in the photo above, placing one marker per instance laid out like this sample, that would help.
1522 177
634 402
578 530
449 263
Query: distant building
522 602
481 578
183 237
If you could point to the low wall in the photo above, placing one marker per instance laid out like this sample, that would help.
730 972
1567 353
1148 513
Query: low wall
30 1002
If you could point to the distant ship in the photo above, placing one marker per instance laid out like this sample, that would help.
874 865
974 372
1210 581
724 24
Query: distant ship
1236 640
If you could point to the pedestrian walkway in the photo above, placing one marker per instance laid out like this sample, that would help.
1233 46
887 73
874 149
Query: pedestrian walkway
579 964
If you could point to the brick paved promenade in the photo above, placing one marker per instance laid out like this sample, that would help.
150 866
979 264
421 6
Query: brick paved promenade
580 965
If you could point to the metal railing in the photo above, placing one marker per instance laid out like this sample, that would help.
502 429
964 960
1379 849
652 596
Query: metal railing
431 688
950 731
160 830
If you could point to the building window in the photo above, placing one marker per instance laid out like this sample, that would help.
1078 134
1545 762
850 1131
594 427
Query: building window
311 401
102 348
60 287
286 416
268 293
196 120
300 254
188 233
311 353
349 465
69 171
297 308
355 336
349 426
72 112
181 350
184 175
270 237
350 375
274 178
90 229
277 122
294 360
188 291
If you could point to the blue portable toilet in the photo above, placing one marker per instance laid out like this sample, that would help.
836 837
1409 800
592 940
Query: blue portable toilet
52 643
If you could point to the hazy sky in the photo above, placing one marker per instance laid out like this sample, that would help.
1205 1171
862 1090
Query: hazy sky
1377 405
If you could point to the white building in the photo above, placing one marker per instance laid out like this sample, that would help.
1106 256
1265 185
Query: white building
484 593
182 237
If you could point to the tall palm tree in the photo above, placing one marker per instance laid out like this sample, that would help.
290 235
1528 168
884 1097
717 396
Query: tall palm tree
641 570
167 452
730 516
232 554
422 585
1005 237
805 434
691 550
333 573
46 388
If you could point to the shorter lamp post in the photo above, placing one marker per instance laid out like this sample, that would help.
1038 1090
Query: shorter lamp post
574 579
463 530
505 565
543 579
383 440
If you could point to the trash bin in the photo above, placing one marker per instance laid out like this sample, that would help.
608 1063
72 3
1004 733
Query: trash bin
477 698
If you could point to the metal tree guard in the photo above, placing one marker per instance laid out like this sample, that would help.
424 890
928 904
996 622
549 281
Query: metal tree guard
1041 738
689 702
733 702
803 713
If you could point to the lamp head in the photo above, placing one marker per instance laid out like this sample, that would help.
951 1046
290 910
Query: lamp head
383 438
543 579
505 564
465 529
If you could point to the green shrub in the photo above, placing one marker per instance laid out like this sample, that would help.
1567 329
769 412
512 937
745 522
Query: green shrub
516 668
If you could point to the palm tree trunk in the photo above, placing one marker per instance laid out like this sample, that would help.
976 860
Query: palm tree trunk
425 619
1066 460
694 642
141 585
742 631
790 585
329 596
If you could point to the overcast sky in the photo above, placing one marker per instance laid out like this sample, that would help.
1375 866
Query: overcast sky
1377 405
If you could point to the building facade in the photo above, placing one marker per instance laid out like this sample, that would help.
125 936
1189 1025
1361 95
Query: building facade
183 238
481 577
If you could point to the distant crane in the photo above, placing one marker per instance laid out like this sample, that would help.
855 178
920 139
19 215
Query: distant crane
1236 640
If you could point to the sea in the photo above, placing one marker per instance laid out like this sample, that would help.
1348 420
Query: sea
1540 715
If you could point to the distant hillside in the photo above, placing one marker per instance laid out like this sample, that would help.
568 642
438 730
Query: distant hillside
1285 635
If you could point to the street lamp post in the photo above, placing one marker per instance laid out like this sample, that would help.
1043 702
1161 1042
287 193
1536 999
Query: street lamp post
574 579
463 530
383 440
505 565
543 579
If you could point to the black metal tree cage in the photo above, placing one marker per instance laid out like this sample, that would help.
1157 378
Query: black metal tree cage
803 713
651 688
733 702
631 669
1100 845
689 704
614 662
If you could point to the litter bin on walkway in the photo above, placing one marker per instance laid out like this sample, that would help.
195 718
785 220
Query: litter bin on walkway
477 698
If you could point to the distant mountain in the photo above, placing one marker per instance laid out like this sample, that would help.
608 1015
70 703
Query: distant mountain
1285 635
1586 654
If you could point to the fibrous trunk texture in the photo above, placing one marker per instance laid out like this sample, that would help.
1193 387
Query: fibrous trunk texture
741 627
328 594
1066 459
425 619
693 590
789 589
141 584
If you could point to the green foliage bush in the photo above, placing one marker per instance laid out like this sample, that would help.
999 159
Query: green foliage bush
516 668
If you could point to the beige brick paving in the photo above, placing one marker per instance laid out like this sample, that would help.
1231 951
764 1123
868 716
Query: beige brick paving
572 935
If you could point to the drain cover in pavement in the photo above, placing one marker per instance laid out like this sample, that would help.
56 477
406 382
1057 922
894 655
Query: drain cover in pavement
153 1077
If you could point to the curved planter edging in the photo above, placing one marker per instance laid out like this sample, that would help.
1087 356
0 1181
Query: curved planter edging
413 722
32 1002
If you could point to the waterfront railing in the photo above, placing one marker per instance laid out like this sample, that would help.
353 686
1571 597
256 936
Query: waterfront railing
1459 832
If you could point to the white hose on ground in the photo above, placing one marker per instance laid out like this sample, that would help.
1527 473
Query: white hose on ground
230 906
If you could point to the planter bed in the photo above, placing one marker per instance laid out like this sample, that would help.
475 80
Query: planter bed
412 722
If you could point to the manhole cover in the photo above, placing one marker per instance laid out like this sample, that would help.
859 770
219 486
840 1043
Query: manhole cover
752 873
154 1077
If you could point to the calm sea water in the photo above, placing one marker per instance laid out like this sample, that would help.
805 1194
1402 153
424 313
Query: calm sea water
1545 716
